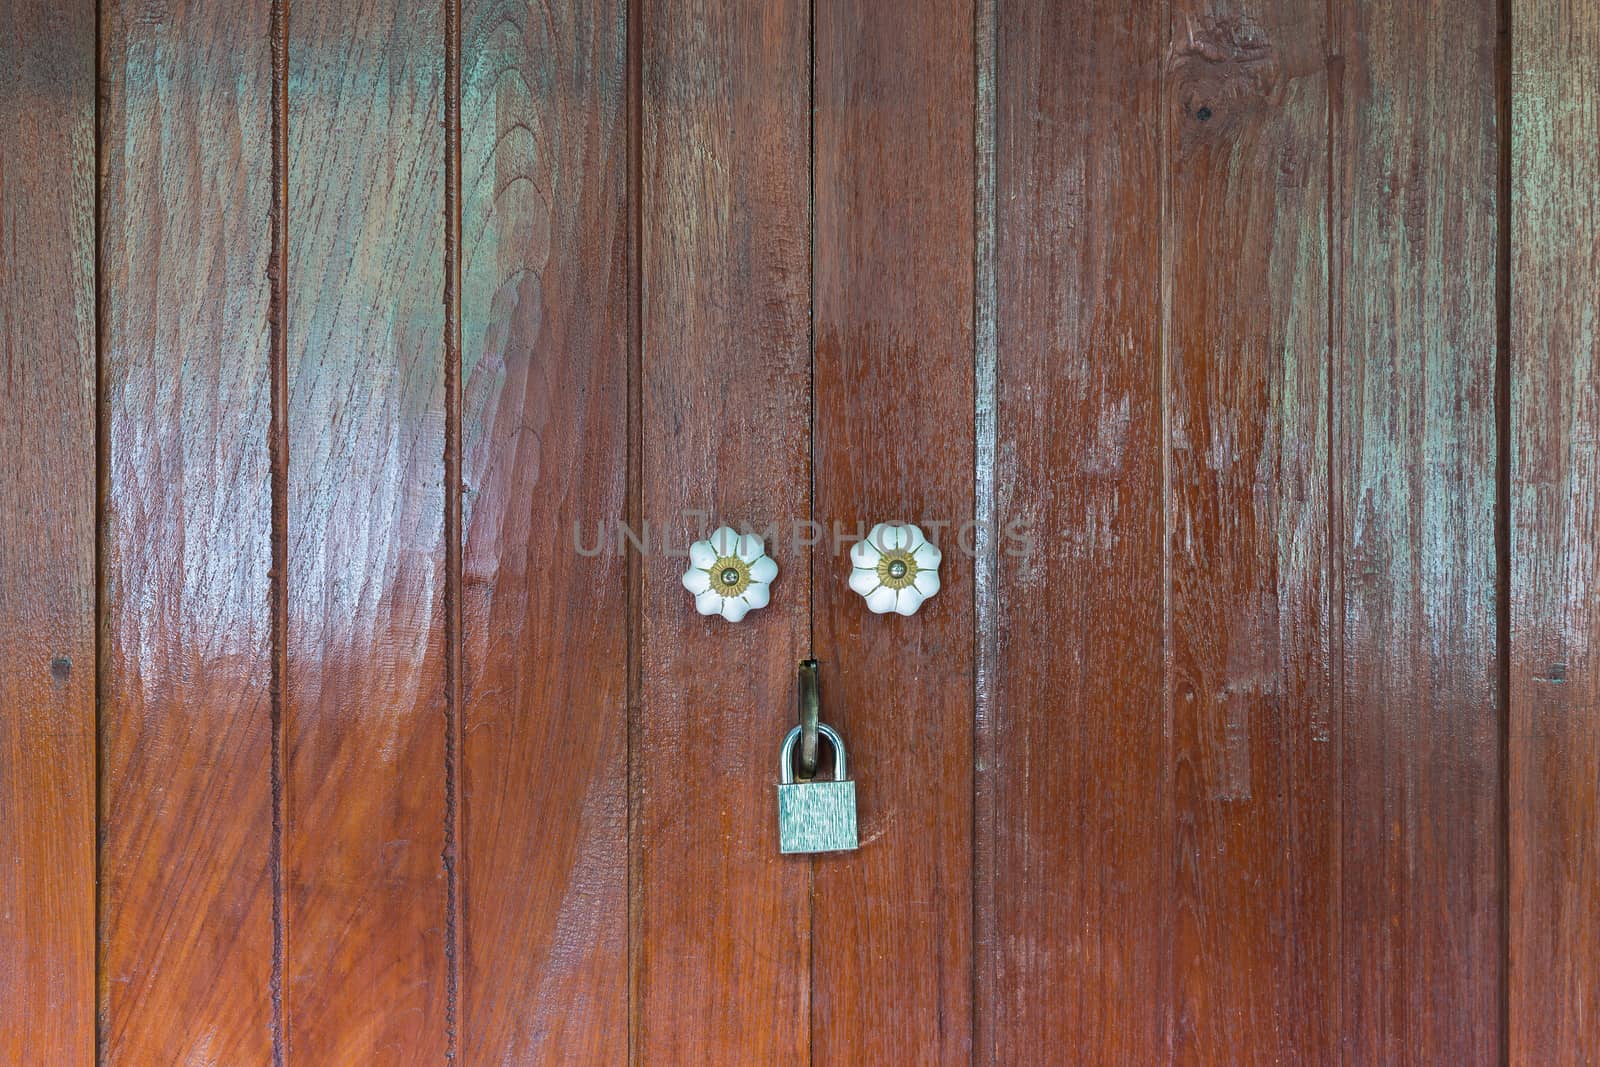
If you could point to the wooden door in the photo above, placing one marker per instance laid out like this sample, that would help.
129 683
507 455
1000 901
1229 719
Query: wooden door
367 365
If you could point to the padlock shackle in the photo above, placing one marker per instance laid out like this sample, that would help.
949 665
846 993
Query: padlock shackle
786 757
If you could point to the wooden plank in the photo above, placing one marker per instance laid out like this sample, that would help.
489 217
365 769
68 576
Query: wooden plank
720 949
47 532
1075 922
186 724
893 441
1416 206
545 378
1254 768
365 713
1555 535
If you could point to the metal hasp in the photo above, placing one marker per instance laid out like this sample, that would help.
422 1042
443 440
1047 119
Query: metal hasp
816 816
810 714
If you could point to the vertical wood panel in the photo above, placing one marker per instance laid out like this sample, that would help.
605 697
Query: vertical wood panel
544 318
893 440
1076 936
1555 535
720 964
186 903
365 717
47 532
1416 202
1254 768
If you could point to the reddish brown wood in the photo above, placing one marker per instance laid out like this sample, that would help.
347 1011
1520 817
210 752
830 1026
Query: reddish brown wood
365 711
1074 795
893 441
1555 536
186 734
1239 757
47 532
719 927
1415 201
545 372
1253 764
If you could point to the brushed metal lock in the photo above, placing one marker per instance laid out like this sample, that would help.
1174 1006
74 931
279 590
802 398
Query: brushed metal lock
816 816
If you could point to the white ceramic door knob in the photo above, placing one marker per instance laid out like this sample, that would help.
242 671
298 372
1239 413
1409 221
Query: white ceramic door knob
896 568
729 574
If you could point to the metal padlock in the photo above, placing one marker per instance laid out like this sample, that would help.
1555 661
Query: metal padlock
816 816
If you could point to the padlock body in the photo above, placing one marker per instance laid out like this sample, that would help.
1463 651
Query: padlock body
816 817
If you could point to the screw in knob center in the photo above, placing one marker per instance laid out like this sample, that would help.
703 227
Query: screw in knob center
897 568
730 576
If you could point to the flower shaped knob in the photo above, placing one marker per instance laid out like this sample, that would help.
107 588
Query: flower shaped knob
896 568
729 574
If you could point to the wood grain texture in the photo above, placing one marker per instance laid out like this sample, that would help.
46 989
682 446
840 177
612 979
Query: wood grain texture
719 927
1415 199
186 732
893 442
1075 797
47 532
1231 272
545 372
1555 535
365 709
1254 768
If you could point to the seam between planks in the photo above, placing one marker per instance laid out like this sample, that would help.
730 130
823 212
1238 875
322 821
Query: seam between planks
633 494
1163 332
102 478
455 934
278 447
1502 517
811 463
